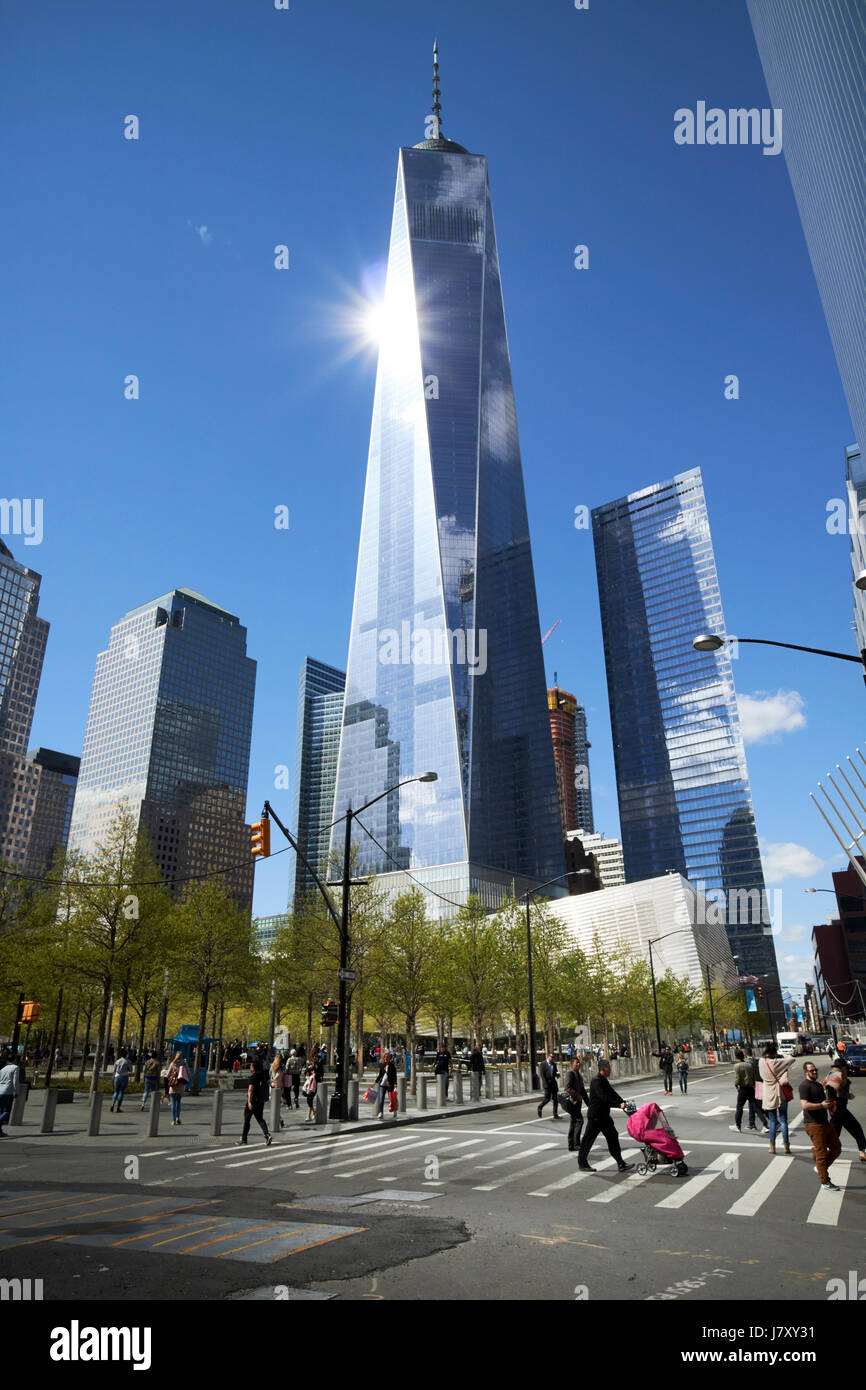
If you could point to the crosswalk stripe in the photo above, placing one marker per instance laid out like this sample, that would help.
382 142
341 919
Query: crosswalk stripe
797 1120
293 1159
522 1173
755 1196
632 1181
572 1178
494 1148
497 1163
382 1161
697 1184
827 1205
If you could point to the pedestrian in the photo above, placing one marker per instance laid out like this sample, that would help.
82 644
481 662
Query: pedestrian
320 1064
575 1093
309 1089
9 1075
278 1081
176 1079
386 1081
294 1072
775 1094
755 1068
476 1065
122 1073
817 1105
549 1074
151 1078
58 1057
842 1117
683 1072
666 1067
602 1098
744 1081
257 1094
442 1065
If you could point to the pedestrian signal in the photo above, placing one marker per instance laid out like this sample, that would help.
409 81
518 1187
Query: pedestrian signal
260 839
330 1014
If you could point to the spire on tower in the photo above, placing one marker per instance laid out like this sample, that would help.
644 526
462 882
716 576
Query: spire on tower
437 106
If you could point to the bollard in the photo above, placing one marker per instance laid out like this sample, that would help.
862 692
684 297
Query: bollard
95 1114
353 1100
421 1098
441 1081
458 1087
401 1095
474 1087
276 1102
153 1117
216 1119
488 1085
502 1083
48 1113
18 1104
321 1110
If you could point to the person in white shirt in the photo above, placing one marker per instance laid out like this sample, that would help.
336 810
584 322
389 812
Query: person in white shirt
8 1088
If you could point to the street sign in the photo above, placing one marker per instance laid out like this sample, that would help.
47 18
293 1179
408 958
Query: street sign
348 975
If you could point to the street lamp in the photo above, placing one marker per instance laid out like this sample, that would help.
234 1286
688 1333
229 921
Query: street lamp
681 931
340 1103
712 642
527 897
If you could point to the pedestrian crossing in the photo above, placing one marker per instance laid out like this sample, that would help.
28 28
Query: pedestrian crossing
741 1180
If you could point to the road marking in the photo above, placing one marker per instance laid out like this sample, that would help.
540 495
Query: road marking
797 1120
572 1178
827 1205
498 1162
380 1162
697 1184
717 1110
522 1173
155 1153
630 1182
756 1195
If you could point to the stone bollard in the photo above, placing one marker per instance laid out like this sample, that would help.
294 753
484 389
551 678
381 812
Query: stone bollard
276 1102
474 1087
488 1085
458 1087
322 1103
421 1098
353 1100
401 1095
216 1119
440 1091
95 1114
153 1117
18 1104
502 1076
47 1126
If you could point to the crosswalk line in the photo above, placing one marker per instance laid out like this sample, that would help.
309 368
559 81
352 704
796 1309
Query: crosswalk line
631 1182
697 1184
755 1196
498 1162
292 1160
797 1120
521 1173
384 1160
827 1205
494 1148
571 1179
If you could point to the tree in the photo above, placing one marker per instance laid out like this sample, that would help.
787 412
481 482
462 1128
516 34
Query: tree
400 970
474 953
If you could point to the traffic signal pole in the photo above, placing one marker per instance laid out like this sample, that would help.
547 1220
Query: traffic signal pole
339 1104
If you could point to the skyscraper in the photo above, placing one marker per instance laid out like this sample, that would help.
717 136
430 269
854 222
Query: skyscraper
855 486
582 784
814 57
684 798
320 716
168 735
23 635
52 809
561 708
445 668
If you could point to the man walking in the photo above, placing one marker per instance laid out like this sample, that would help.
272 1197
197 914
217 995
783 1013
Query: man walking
576 1093
602 1098
549 1075
257 1094
442 1065
666 1066
817 1106
122 1073
8 1088
744 1080
754 1066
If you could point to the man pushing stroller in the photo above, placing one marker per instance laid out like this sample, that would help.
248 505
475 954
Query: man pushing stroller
602 1099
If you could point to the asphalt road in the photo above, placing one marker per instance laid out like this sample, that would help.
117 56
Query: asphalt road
485 1206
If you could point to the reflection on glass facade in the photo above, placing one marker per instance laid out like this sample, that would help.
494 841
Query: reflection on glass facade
813 54
320 717
855 485
168 734
23 635
684 799
445 668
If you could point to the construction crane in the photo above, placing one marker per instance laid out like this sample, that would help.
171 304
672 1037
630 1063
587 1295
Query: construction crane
550 630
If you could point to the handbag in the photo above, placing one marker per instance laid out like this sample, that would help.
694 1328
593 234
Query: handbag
787 1090
759 1090
368 1094
392 1102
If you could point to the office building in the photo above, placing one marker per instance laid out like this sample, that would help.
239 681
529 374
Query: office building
265 931
813 54
320 716
605 855
582 783
684 798
23 635
55 783
445 668
855 487
168 736
561 709
839 951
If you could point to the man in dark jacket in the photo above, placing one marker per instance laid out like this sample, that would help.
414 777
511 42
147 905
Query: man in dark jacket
602 1097
257 1094
442 1065
576 1092
549 1075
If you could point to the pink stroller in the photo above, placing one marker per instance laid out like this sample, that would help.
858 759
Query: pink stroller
649 1126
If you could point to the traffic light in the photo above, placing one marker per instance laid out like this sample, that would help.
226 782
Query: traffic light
30 1011
330 1014
760 991
260 838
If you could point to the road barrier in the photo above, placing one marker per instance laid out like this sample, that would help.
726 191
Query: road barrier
321 1108
153 1117
501 1078
401 1094
421 1097
488 1084
458 1088
47 1126
95 1114
276 1102
441 1081
216 1119
353 1099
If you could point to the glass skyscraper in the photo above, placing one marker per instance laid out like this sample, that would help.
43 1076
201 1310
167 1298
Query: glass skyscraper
814 57
168 735
855 487
684 798
445 666
320 717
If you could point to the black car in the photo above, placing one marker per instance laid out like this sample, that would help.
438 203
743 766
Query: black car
855 1056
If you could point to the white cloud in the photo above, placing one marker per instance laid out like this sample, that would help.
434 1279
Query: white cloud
203 234
793 933
763 716
788 861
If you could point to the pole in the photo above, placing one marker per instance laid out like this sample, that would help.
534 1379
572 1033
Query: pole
339 1107
712 1010
163 1010
17 1029
54 1038
536 1084
272 1025
655 999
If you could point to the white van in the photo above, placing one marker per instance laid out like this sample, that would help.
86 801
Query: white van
793 1044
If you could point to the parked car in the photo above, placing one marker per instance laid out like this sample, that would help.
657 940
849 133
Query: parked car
855 1056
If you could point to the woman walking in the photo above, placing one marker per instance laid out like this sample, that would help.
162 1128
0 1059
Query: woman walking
151 1079
278 1080
775 1094
178 1076
842 1118
309 1089
293 1072
386 1081
683 1072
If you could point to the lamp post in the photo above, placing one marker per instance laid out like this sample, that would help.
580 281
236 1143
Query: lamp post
527 897
681 931
713 642
340 1102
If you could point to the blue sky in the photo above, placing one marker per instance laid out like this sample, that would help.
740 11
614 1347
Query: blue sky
261 127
